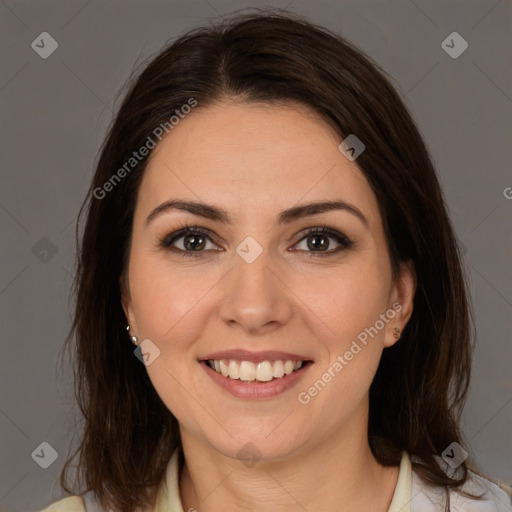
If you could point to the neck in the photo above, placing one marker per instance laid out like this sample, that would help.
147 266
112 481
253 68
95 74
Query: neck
337 473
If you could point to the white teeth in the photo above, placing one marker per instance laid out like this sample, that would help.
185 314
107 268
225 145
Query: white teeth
247 370
234 370
223 369
288 367
264 371
278 369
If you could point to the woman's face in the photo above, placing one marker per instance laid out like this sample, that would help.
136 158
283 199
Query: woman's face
259 282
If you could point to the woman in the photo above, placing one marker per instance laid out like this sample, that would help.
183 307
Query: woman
267 229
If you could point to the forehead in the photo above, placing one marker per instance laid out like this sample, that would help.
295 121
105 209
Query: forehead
254 157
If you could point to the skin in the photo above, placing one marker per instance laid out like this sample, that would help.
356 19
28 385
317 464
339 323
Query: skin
255 160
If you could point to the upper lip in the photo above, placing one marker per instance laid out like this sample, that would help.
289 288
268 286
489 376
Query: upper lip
255 357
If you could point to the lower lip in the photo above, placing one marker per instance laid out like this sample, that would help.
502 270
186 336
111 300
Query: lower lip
256 390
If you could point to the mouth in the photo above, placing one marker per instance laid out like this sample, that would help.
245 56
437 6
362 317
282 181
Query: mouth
250 380
249 371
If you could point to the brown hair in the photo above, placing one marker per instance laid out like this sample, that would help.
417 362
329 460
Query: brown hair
275 57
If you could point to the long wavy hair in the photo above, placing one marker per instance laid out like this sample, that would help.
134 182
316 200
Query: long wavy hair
275 57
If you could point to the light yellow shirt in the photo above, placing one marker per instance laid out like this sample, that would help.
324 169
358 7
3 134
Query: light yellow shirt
411 494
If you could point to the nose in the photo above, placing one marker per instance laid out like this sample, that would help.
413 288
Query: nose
256 298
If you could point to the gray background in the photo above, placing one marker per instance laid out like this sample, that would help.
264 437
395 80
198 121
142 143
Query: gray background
54 113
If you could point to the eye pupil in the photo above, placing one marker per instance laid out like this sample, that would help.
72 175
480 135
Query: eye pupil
197 242
323 245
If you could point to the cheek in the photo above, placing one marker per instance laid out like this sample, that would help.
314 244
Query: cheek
165 300
347 304
169 311
344 302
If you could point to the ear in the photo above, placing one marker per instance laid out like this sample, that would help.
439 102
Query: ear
402 300
126 302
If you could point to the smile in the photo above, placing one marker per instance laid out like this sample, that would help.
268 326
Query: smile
246 379
248 371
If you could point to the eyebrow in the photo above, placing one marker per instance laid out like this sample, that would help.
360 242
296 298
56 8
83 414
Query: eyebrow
288 216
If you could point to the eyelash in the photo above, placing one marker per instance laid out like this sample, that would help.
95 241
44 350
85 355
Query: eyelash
167 241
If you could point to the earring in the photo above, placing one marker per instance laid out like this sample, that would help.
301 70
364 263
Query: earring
134 339
397 333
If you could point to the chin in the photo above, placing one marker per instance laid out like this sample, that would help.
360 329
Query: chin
255 444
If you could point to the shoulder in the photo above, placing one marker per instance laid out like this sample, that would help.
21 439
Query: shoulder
69 504
496 497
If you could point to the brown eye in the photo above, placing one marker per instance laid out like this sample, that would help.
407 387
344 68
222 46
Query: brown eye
189 241
194 242
318 241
